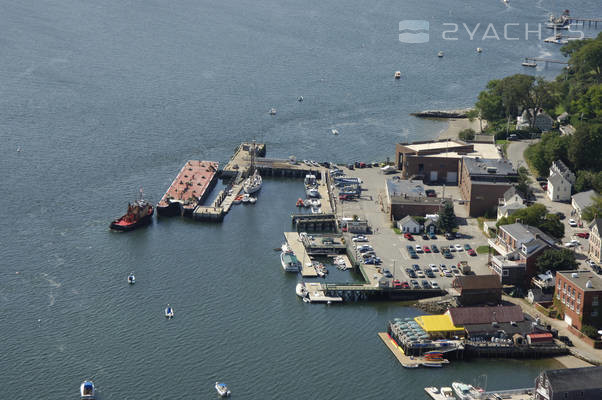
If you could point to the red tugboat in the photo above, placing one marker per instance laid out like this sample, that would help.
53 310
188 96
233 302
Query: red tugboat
139 213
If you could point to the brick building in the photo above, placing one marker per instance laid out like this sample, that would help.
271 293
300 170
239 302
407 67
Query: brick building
478 289
580 293
483 181
408 197
438 161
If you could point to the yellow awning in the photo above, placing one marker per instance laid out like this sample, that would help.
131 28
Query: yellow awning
437 323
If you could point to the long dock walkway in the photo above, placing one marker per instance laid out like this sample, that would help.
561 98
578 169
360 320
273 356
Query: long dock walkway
296 245
405 361
316 294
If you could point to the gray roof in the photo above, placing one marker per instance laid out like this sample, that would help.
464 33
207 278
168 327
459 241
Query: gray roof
407 219
478 166
520 327
597 222
561 166
581 278
565 380
402 187
526 233
512 206
585 199
556 179
508 194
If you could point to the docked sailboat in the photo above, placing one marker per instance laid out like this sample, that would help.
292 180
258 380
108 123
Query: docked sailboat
253 183
289 261
87 390
222 389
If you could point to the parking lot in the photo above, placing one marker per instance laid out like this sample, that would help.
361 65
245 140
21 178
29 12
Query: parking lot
390 247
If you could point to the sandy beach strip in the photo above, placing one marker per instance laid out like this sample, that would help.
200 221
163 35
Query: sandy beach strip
455 125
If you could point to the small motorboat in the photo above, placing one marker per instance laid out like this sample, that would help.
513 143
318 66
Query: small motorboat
272 111
440 54
306 300
237 199
334 132
252 200
222 389
479 50
131 279
300 99
246 198
300 202
300 290
169 312
445 393
529 64
397 74
412 366
87 390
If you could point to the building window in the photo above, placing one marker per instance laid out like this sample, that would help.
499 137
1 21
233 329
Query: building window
577 309
594 313
579 298
595 301
558 295
505 272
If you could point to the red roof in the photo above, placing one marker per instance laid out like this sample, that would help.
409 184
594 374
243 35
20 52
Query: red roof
539 335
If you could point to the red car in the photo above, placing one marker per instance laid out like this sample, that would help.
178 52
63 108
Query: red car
405 285
427 249
471 252
584 235
408 236
344 197
396 283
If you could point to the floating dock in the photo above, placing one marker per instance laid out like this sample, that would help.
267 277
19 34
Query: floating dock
407 361
316 294
190 188
296 245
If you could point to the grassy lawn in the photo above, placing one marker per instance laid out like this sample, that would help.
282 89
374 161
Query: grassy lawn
482 249
397 230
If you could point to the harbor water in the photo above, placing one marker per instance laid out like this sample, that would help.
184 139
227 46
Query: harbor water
101 98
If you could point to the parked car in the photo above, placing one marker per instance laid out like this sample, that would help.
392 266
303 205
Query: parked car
415 284
387 273
434 248
396 283
425 236
405 285
419 248
433 267
432 235
362 165
434 285
560 215
458 247
448 274
467 247
350 166
430 193
427 249
471 252
420 274
455 271
425 284
408 236
360 238
572 243
450 236
572 223
365 248
584 235
429 273
415 267
345 197
447 254
450 248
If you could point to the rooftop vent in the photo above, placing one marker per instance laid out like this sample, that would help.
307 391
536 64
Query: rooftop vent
588 284
492 170
575 275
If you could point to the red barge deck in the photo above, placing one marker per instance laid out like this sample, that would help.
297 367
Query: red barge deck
190 188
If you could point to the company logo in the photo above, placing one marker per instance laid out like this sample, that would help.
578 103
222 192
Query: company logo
413 31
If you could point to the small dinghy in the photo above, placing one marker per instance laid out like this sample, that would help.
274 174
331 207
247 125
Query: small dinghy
252 200
87 390
131 279
169 312
222 389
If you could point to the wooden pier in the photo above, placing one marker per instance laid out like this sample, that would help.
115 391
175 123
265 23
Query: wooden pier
317 295
533 61
405 361
314 222
296 245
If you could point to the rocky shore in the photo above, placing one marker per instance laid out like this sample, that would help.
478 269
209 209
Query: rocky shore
462 113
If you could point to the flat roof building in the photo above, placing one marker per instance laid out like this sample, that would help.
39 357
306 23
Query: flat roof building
408 197
580 293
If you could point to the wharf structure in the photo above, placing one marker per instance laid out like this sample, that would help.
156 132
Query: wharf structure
190 188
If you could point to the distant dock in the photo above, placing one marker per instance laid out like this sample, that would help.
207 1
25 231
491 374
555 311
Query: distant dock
407 361
190 188
296 245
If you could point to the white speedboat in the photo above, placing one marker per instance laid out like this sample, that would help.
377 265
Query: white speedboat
253 183
252 200
316 210
169 312
529 64
465 392
334 131
397 74
272 111
222 389
87 390
479 50
440 54
246 198
312 192
289 261
301 290
300 99
131 279
445 393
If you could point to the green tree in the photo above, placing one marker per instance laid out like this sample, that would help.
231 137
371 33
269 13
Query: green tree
447 218
585 146
489 104
589 105
586 61
467 134
593 211
536 215
589 331
556 260
523 185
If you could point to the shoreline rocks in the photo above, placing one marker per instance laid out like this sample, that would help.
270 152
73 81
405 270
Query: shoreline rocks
462 113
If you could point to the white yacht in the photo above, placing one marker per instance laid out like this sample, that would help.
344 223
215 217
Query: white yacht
87 390
479 50
131 279
289 261
465 392
253 183
222 389
169 312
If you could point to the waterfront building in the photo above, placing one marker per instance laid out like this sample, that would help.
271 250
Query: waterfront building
408 197
580 293
439 326
521 244
595 244
477 289
569 384
483 181
438 161
560 182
